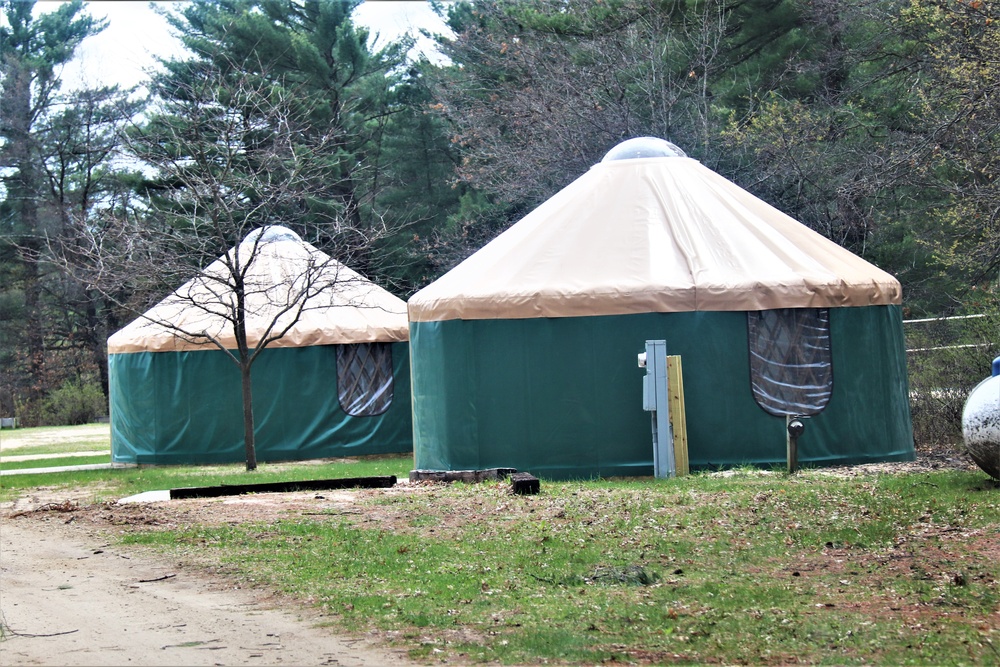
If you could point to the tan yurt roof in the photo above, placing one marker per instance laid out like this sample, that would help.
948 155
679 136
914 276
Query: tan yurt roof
350 309
652 231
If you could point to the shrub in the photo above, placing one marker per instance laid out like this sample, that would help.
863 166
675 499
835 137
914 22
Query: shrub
75 402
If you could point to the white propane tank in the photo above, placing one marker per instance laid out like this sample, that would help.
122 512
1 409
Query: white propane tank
981 423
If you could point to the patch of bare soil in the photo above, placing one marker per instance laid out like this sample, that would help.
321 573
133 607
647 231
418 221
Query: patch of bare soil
928 459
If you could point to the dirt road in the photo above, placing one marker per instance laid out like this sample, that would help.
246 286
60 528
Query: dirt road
67 597
70 597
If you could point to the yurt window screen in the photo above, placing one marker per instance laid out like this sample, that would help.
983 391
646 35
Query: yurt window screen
364 378
791 368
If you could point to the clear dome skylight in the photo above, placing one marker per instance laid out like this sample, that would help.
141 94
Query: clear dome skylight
273 233
643 147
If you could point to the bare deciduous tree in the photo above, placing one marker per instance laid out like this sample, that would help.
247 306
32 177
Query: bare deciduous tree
960 158
540 90
234 154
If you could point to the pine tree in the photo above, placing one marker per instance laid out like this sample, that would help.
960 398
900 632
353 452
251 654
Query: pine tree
36 202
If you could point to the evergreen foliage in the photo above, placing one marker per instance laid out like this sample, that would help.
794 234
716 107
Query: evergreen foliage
55 153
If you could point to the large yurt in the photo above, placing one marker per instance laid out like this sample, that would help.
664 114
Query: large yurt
525 354
335 384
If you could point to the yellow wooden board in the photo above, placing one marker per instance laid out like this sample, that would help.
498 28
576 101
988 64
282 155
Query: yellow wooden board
678 420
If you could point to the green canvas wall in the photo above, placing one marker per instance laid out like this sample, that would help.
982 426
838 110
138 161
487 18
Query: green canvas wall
185 408
562 397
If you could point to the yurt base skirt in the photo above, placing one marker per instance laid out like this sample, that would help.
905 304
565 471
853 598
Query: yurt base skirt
186 408
562 397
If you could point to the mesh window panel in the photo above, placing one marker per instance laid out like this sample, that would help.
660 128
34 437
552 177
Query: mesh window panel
791 369
364 378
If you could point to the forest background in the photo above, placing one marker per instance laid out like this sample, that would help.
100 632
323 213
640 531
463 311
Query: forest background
876 123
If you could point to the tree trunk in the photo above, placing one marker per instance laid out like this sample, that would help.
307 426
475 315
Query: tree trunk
97 343
23 189
248 434
245 360
33 329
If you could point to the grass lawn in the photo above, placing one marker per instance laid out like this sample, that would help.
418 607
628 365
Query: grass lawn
54 462
739 570
749 568
55 440
120 482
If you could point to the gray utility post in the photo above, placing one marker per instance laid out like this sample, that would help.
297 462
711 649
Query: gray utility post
655 400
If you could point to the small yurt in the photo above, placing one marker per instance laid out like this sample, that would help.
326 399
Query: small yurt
524 355
336 383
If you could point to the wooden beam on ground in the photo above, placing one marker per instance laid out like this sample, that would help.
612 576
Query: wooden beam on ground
383 482
467 476
524 484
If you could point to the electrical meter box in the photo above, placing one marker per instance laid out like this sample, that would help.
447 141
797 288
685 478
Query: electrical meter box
655 400
648 388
